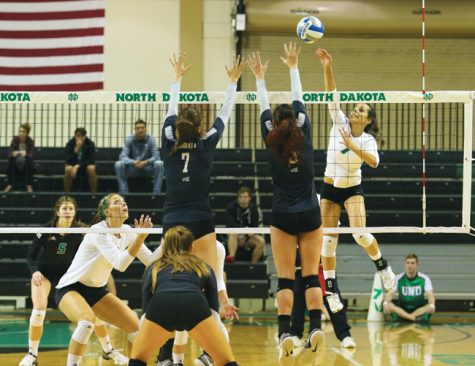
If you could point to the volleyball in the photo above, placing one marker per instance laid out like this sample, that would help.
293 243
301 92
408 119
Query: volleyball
310 29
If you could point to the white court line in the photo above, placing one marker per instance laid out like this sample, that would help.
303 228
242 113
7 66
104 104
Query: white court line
349 359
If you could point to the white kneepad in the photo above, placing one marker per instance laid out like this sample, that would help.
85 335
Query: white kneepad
220 324
83 331
181 338
364 239
37 317
329 246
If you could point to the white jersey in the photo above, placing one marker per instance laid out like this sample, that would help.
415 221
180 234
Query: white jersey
98 254
343 165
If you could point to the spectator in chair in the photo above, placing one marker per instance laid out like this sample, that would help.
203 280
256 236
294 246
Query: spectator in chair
80 158
412 286
243 213
139 158
20 158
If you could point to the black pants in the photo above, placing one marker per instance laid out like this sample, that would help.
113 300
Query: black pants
339 320
13 172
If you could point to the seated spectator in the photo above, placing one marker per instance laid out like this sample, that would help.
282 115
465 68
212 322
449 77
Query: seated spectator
20 159
411 286
139 158
243 213
80 160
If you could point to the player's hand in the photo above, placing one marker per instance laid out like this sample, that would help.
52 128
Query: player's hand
347 139
235 70
179 68
37 278
324 56
291 58
230 311
386 307
255 64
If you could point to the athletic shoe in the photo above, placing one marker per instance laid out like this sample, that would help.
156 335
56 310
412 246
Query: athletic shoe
348 342
178 364
334 302
297 341
388 277
309 352
29 360
166 362
117 357
286 349
203 360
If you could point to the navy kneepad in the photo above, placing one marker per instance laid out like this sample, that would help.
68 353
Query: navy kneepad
285 284
310 281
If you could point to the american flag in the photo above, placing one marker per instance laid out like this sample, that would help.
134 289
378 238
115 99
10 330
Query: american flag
51 45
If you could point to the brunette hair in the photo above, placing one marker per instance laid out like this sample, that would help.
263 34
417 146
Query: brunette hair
188 127
373 128
26 127
62 200
285 139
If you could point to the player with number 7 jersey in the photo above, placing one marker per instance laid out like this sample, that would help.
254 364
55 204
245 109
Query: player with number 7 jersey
188 157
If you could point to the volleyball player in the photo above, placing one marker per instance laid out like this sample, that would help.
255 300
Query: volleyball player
353 141
81 293
179 291
188 157
181 338
49 256
295 209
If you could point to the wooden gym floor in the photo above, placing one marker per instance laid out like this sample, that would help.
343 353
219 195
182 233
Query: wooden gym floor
449 341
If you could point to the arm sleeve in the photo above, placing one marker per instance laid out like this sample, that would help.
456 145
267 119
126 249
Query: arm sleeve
230 216
254 216
125 154
30 152
11 148
227 107
157 254
371 147
120 259
146 288
33 251
262 95
220 273
211 290
337 115
155 156
296 85
91 154
174 95
71 158
144 255
428 284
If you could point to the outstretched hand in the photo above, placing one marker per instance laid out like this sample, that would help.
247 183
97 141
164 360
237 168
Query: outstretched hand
291 58
324 56
179 68
144 222
230 311
235 70
255 64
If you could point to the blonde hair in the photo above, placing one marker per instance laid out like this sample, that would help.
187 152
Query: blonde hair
177 254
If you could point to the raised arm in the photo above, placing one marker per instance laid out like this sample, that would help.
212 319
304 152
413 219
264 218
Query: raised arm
179 69
291 59
327 63
234 73
259 71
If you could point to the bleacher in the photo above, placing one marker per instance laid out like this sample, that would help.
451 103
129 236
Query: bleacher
393 198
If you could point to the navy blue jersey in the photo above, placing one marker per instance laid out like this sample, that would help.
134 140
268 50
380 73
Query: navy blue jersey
168 281
293 184
187 173
52 254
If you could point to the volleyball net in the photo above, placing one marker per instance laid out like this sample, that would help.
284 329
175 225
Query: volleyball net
413 190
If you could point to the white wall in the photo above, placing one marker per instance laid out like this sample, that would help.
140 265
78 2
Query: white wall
140 35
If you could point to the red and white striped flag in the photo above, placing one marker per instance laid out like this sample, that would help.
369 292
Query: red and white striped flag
51 45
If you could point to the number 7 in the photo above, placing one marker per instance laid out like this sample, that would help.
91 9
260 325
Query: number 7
185 156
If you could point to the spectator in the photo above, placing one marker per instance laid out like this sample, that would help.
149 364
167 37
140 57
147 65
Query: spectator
20 158
411 285
80 159
243 213
139 158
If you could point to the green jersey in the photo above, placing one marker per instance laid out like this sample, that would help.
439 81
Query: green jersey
412 290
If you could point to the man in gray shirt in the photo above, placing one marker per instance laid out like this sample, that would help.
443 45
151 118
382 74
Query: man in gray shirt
139 158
